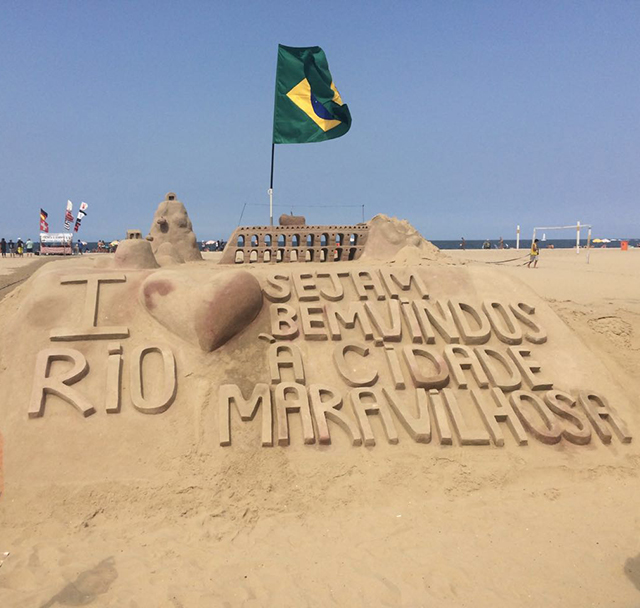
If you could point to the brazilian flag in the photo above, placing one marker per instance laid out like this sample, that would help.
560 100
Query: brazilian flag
308 107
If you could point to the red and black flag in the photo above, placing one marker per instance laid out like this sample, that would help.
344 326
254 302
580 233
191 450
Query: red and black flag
44 226
81 214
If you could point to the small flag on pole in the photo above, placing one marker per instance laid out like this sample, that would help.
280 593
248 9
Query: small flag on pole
82 212
308 107
68 216
44 226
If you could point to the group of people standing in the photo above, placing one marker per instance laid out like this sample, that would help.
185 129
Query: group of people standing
17 249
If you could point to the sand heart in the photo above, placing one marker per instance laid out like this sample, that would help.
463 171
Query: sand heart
207 312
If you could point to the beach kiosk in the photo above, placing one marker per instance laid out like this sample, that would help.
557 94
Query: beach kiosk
56 243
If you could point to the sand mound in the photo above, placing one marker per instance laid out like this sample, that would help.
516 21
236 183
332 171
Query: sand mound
168 255
171 224
393 239
134 253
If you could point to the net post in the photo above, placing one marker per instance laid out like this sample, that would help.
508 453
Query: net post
578 237
518 236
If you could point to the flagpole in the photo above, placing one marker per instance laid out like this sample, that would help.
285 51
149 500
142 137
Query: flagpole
273 151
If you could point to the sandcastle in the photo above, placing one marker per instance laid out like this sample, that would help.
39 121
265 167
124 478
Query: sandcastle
169 387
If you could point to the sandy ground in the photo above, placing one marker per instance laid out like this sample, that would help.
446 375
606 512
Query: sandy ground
438 526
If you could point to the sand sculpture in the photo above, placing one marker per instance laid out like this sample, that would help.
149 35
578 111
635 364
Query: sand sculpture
135 253
249 244
203 310
292 220
253 393
171 224
382 238
393 239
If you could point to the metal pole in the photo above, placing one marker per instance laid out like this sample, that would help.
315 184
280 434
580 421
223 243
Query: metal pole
273 152
578 237
588 244
518 237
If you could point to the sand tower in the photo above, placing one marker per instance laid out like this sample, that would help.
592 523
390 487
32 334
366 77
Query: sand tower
171 224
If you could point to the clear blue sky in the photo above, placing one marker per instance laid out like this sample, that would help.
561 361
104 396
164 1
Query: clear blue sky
468 117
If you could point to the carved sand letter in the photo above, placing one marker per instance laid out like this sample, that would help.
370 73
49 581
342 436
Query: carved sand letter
488 355
597 409
330 409
550 431
418 427
165 398
564 405
367 280
529 368
470 335
299 403
439 379
394 366
461 357
411 321
466 436
247 409
277 288
87 329
503 322
523 313
369 401
305 286
500 412
337 293
403 279
312 320
393 331
440 419
114 378
283 322
285 356
355 312
434 314
349 374
60 384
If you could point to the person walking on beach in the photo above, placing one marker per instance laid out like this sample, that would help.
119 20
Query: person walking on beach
533 256
20 247
501 243
29 247
463 244
3 247
12 253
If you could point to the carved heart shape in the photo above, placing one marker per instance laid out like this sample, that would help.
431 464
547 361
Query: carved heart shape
208 312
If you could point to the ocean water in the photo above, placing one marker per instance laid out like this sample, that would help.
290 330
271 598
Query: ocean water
526 243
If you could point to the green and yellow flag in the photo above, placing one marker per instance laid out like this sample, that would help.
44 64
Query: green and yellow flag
308 107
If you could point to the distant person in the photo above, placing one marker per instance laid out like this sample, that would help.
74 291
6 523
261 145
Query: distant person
80 247
501 243
463 244
486 244
19 248
12 249
29 247
533 256
3 247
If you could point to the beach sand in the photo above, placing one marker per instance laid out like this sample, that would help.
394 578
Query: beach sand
150 523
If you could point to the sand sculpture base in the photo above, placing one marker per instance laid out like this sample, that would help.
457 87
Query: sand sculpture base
345 412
